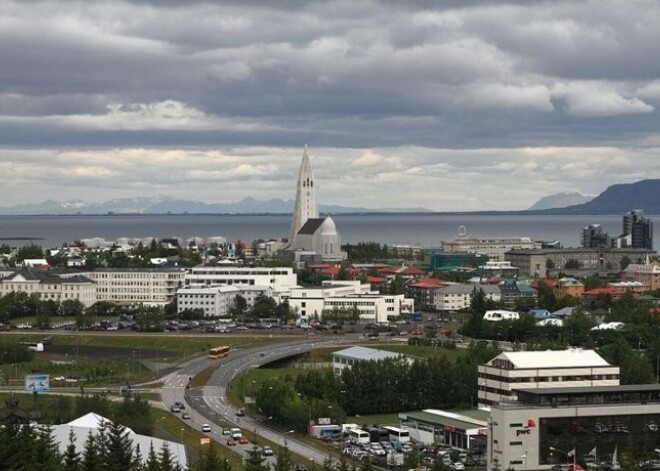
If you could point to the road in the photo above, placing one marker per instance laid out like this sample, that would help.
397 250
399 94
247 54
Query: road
209 404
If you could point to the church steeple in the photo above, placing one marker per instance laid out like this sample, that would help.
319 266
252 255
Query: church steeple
305 205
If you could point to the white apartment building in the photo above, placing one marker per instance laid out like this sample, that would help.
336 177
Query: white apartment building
309 303
49 286
216 301
155 287
494 247
459 296
279 279
542 369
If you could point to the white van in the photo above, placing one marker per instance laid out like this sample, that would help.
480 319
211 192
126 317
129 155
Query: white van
236 433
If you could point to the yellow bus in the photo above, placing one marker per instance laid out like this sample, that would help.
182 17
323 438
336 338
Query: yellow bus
219 352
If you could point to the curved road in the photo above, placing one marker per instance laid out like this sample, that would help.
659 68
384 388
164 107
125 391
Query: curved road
210 405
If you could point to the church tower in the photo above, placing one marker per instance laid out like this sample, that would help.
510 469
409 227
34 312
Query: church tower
305 206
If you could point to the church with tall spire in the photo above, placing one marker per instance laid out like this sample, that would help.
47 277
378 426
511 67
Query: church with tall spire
305 204
315 237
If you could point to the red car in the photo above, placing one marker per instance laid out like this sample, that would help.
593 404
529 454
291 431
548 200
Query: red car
231 442
243 441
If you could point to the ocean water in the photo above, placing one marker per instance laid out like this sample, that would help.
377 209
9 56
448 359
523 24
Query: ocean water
426 230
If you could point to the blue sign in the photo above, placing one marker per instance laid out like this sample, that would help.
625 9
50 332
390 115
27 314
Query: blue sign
37 383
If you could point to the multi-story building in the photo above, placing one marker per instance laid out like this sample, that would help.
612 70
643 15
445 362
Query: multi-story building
648 274
423 291
568 287
493 247
459 296
215 301
535 262
279 279
310 303
501 376
514 294
640 228
593 237
155 286
548 427
50 287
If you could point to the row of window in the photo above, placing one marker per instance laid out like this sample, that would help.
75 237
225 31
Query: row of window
548 379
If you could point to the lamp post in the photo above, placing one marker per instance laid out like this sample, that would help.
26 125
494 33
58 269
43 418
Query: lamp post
524 458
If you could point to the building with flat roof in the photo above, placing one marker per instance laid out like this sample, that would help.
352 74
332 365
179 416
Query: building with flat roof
493 247
455 297
349 356
544 427
279 279
310 303
465 430
500 377
150 286
535 262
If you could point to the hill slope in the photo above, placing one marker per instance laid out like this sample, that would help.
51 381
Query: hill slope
619 199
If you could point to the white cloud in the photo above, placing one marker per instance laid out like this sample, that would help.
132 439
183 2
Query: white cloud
593 99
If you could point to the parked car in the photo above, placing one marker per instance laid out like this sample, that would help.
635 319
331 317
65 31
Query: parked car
206 428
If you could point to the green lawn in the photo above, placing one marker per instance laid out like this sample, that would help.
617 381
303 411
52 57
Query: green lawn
423 351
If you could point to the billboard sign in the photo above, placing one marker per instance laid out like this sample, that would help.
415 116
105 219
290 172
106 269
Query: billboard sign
36 383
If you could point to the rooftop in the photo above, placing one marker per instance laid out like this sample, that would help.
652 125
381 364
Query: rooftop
462 419
572 358
367 354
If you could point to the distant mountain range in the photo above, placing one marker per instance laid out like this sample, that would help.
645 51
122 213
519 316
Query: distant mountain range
164 205
616 199
619 199
560 200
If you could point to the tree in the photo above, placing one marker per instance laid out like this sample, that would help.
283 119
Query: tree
624 262
92 459
398 286
284 461
255 461
118 453
152 463
72 458
238 307
210 460
264 307
549 264
572 264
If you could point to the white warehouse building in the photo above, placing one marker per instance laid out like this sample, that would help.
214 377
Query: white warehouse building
310 303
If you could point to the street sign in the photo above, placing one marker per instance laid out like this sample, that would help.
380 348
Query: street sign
36 383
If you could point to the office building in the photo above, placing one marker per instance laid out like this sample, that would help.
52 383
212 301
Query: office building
546 427
593 237
493 247
542 369
155 287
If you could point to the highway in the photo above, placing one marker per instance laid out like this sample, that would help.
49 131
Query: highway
209 404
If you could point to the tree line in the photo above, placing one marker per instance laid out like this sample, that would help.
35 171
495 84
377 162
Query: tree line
387 386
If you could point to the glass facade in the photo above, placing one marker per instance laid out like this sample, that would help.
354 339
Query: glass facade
636 435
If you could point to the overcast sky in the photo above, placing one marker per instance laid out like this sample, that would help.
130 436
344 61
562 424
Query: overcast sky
448 105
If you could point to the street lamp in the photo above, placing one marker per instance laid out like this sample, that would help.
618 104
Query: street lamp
524 458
